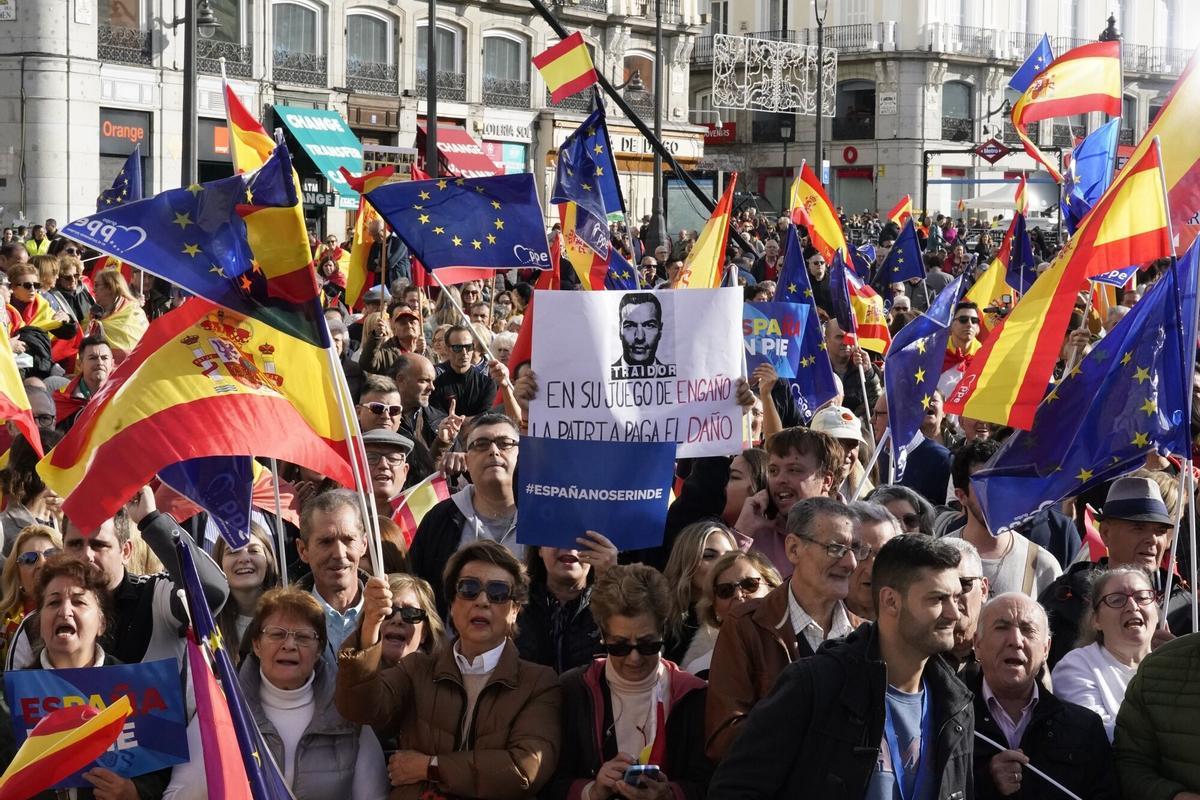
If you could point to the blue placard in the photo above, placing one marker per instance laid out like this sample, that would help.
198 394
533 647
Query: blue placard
619 489
154 736
772 332
1116 277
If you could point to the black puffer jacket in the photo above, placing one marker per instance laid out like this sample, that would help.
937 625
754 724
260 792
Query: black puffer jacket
560 637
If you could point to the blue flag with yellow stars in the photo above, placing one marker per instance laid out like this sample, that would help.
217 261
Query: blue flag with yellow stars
814 384
905 260
621 275
1035 62
473 223
1089 173
127 186
577 180
1022 266
596 139
197 239
913 366
862 260
1126 397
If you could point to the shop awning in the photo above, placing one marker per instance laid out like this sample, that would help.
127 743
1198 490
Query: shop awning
327 139
461 154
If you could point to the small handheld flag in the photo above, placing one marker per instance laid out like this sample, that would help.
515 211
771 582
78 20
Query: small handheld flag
1035 62
705 265
127 186
905 260
901 211
815 383
566 67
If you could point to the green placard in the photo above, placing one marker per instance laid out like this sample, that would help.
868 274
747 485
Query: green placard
329 142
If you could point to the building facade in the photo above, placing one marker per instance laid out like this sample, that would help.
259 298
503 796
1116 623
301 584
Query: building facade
920 83
82 82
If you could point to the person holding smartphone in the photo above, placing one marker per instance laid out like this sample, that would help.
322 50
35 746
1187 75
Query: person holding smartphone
633 722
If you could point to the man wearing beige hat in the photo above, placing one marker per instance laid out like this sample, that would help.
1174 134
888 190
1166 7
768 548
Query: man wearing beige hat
840 423
1135 526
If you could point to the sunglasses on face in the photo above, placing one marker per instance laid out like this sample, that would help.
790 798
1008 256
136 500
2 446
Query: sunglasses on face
1142 597
379 409
71 251
966 320
461 348
622 649
483 444
497 592
29 285
410 614
726 591
31 557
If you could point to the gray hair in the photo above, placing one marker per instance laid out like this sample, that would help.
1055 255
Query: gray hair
893 491
874 512
805 512
329 502
970 556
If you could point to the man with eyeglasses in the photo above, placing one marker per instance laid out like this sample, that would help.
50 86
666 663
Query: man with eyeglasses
818 274
379 404
1135 527
474 391
387 460
1064 740
975 592
485 509
961 346
875 527
332 543
762 636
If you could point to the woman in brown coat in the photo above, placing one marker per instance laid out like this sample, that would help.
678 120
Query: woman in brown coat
474 721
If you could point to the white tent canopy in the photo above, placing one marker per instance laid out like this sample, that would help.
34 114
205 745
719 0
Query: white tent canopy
1041 196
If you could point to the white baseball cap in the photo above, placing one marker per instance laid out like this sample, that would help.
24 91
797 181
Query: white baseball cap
837 421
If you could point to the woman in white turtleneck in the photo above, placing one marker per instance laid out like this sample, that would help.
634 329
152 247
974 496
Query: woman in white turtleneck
653 711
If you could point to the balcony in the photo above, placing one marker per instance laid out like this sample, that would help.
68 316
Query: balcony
858 38
957 129
451 86
302 69
641 102
595 6
371 77
1126 136
853 126
672 14
1010 133
580 103
239 59
1167 60
505 93
123 45
1066 135
962 39
702 52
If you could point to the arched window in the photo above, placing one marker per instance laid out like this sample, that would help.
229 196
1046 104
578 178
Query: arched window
643 65
370 52
451 61
506 70
957 119
298 36
854 115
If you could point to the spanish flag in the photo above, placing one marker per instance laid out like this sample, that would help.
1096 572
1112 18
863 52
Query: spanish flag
62 743
811 208
204 381
1084 79
410 507
705 265
859 310
14 402
249 144
989 290
566 67
1021 198
357 268
123 328
1008 378
901 211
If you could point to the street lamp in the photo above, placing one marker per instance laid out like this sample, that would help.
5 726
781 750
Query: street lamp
820 10
657 232
785 135
198 18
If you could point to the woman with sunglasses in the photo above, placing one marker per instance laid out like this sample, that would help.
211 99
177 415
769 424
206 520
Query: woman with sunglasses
696 549
68 284
1114 636
475 719
47 267
734 578
26 284
414 624
631 706
251 571
30 500
18 580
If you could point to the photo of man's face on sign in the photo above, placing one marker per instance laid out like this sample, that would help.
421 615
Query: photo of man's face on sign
645 351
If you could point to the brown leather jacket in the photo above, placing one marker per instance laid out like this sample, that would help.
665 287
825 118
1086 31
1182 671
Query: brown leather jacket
755 644
513 744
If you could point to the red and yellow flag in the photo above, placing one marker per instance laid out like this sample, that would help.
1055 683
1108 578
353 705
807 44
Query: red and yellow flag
1006 381
14 401
123 328
62 743
249 144
811 208
203 381
587 263
360 247
1084 79
566 67
224 772
410 507
901 211
705 265
1021 198
991 286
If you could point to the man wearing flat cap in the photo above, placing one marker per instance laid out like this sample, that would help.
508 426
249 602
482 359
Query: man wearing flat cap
387 459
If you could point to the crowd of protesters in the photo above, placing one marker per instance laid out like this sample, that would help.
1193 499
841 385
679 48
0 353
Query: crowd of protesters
807 628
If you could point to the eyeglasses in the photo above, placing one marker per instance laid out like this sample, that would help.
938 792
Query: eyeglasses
622 649
726 590
1142 597
31 557
29 285
393 459
379 409
68 276
305 639
461 348
838 551
497 592
965 320
483 444
70 251
410 614
44 420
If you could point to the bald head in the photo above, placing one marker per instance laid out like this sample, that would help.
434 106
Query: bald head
414 378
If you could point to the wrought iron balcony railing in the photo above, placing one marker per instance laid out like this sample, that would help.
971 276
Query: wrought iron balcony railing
450 85
958 129
239 59
123 45
371 77
304 69
505 93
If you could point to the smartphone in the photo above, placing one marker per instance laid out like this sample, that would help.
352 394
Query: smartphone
637 774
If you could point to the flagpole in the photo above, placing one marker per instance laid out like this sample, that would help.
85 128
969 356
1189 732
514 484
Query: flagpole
1174 548
870 464
1031 768
281 542
862 380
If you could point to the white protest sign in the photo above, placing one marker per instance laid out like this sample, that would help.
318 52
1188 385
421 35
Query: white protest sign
640 366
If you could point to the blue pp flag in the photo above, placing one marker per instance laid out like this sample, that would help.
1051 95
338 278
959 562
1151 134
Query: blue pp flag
1116 277
1089 173
1037 61
577 180
1126 398
221 485
597 140
127 186
1022 266
905 260
773 334
861 259
913 366
619 489
814 384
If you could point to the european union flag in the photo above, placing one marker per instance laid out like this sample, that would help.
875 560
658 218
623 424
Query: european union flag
621 275
1037 61
839 294
196 238
1128 396
596 139
481 223
905 260
913 366
1022 266
222 486
577 180
1089 173
814 384
861 260
127 186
